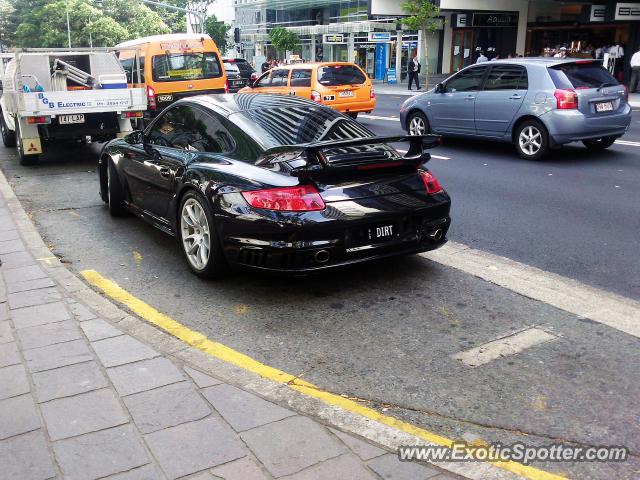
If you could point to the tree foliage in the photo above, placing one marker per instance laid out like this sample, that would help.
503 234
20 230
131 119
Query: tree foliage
7 25
284 40
219 32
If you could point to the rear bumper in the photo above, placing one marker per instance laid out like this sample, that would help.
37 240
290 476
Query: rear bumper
324 240
354 106
567 126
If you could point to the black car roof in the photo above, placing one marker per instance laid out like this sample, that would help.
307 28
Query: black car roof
227 104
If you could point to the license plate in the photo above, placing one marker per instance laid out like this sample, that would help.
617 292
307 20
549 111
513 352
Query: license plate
371 235
604 107
237 83
68 119
346 93
165 98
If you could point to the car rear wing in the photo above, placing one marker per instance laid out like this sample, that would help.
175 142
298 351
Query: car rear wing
317 162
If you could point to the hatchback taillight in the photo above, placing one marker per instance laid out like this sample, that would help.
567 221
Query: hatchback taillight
566 99
303 198
151 97
315 96
372 95
430 183
626 93
226 86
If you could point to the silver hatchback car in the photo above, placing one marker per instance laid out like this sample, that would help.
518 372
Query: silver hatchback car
535 103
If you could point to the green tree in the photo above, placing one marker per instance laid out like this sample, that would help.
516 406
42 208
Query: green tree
135 17
7 25
283 40
423 15
219 31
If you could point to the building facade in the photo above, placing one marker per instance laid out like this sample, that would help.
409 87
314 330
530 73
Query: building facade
368 32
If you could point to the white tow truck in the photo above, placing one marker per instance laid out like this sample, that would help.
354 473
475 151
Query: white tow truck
78 95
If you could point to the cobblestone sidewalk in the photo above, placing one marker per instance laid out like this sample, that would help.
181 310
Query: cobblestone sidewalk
81 399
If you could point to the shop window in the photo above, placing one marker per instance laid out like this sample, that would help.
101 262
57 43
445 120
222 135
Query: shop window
506 77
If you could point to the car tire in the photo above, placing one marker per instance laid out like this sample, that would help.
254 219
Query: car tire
197 237
417 124
115 192
531 140
599 143
353 115
8 136
25 160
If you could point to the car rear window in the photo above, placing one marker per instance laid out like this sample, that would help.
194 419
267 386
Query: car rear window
245 68
581 75
334 75
173 67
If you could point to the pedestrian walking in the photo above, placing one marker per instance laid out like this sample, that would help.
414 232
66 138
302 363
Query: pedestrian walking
635 72
266 65
413 71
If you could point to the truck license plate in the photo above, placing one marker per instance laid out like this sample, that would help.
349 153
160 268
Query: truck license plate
68 119
604 107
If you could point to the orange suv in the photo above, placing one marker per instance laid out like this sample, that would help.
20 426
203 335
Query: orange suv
341 85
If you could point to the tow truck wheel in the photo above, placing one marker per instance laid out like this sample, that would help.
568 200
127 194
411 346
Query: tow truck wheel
25 160
8 136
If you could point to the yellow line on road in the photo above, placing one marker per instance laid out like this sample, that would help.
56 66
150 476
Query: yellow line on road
229 355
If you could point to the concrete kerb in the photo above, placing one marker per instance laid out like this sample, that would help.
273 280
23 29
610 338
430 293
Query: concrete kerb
333 416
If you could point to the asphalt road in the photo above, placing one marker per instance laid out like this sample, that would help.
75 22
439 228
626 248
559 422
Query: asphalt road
386 332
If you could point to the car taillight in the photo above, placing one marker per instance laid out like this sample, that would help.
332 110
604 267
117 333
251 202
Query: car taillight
254 76
289 199
38 120
431 183
131 115
372 95
626 93
151 98
226 87
566 99
315 96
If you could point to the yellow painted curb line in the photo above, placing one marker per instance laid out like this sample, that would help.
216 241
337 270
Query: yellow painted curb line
226 354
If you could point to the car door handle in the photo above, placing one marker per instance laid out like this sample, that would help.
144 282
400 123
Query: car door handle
165 172
470 97
515 97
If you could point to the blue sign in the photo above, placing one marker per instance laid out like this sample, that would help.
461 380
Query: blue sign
391 76
379 36
381 60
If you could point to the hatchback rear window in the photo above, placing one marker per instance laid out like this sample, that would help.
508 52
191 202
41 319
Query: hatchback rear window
335 75
581 75
185 66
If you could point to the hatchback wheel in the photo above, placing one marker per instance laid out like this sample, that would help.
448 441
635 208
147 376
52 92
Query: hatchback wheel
418 124
531 140
599 143
197 237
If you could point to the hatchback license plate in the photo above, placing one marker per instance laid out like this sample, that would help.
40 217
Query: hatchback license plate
68 119
238 83
346 93
604 107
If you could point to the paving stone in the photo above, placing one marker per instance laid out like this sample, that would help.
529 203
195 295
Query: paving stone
9 354
147 472
389 467
9 235
140 376
30 285
292 444
16 260
194 446
81 312
202 379
166 407
26 457
39 315
120 350
13 381
364 450
30 298
98 329
4 312
48 334
243 410
5 331
58 355
99 454
18 415
22 274
67 381
241 469
88 412
10 246
344 466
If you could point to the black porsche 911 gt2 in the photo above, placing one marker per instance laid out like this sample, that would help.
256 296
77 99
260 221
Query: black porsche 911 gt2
275 183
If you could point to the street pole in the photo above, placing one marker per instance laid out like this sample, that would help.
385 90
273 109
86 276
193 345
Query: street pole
68 27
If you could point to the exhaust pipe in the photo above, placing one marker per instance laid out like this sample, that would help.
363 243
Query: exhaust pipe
436 234
322 256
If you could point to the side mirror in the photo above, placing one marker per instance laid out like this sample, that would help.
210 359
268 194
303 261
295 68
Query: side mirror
440 88
134 138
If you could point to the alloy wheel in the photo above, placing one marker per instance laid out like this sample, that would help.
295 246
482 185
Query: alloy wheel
417 126
196 239
530 140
